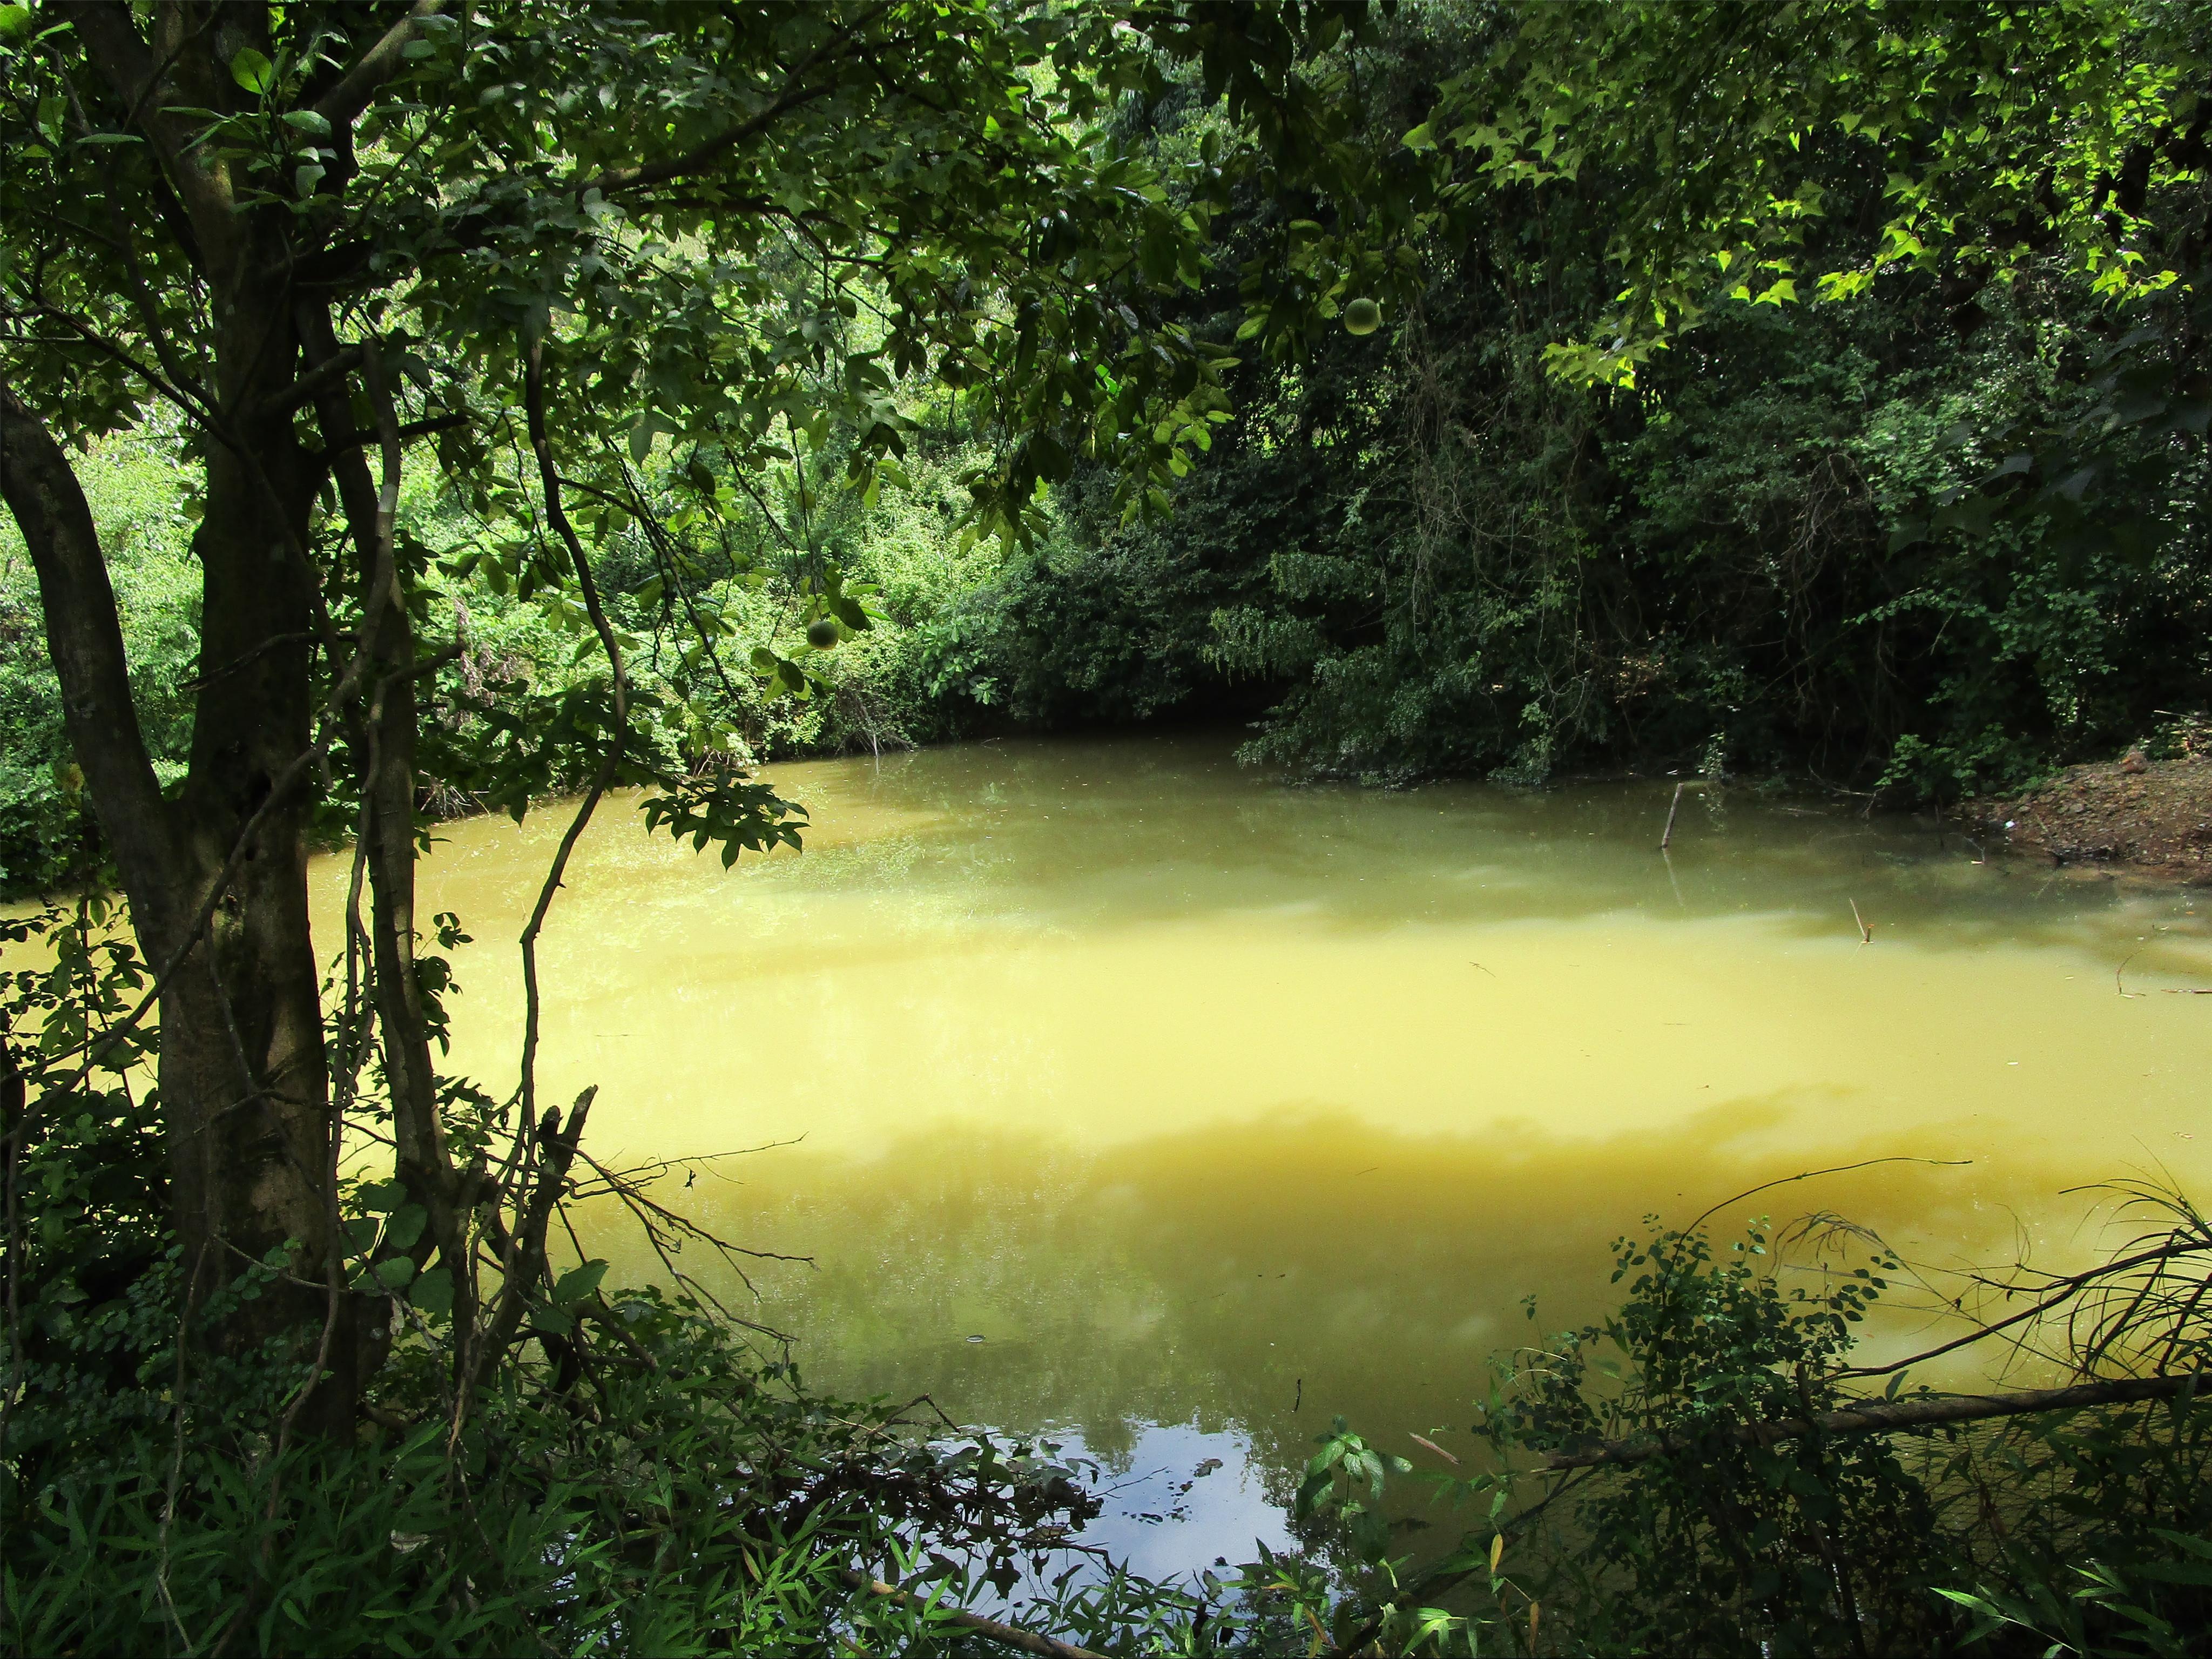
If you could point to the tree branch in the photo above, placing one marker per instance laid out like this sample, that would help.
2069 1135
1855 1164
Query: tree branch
311 386
1889 1416
376 67
795 94
113 42
533 395
407 432
86 642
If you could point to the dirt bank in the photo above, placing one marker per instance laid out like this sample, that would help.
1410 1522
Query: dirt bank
2147 819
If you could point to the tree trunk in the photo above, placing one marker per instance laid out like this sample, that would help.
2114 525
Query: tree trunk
386 731
242 1057
244 1084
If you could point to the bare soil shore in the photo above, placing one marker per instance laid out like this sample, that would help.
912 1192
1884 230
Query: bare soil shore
2132 817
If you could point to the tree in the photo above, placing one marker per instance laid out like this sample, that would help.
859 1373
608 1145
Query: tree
542 246
1604 491
1999 136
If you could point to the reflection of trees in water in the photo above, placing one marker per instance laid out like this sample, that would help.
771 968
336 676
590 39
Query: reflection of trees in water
1140 829
1219 1278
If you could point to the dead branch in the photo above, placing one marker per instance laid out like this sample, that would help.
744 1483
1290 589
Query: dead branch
1891 1416
1833 1168
2060 1290
1674 806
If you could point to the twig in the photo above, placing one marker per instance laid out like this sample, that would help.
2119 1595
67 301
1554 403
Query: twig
1674 806
1888 1416
2062 1291
1807 1175
1865 934
2117 985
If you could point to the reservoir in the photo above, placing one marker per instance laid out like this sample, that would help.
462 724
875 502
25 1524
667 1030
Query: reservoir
1112 1089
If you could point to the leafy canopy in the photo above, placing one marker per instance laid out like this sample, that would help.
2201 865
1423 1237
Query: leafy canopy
1993 134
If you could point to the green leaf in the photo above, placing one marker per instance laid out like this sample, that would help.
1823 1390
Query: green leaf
307 120
252 71
579 1283
405 1227
433 1291
394 1271
2176 1572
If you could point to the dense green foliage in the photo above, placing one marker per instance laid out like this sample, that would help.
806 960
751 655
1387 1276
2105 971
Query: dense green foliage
2085 1533
1442 561
1932 524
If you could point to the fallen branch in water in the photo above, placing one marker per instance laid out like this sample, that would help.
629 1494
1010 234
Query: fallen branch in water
1887 1416
976 1624
1865 934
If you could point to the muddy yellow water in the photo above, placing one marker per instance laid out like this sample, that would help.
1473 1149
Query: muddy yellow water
1112 1086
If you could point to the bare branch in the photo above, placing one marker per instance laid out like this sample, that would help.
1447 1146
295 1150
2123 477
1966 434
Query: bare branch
2060 1291
1890 1416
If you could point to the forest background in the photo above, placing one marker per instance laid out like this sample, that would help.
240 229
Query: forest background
1415 551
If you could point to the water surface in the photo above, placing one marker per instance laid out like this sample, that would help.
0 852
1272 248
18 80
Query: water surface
1113 1087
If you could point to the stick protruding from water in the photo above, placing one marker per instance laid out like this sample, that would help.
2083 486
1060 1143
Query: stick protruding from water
1675 805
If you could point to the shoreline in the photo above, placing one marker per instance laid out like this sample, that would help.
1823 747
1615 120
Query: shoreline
2130 819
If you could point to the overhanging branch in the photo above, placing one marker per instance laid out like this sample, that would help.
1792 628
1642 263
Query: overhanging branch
85 640
1891 1416
796 92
